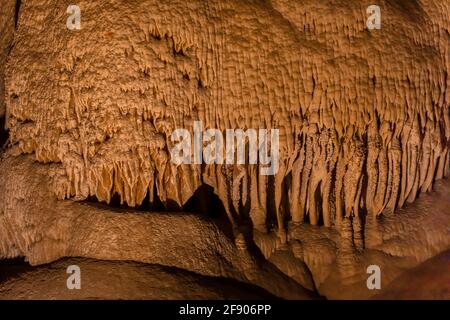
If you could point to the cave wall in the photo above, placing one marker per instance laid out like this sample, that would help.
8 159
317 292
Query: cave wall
363 115
8 16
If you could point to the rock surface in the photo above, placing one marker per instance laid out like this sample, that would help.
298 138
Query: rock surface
119 280
35 225
363 115
430 280
364 120
7 27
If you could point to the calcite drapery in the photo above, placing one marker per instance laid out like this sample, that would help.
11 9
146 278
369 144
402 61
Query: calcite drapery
363 115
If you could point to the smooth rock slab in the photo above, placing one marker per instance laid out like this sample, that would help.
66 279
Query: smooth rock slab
118 280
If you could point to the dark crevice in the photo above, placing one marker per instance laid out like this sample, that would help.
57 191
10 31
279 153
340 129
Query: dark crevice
177 53
13 262
271 216
365 185
16 14
117 205
318 203
204 202
4 133
9 268
156 37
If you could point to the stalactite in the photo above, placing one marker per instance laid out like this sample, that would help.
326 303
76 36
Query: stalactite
358 134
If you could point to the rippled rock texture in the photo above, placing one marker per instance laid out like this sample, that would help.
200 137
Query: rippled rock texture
364 137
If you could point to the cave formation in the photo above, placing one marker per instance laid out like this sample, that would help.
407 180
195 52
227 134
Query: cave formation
364 145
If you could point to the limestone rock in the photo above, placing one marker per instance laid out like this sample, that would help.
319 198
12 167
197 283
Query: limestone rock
363 119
